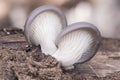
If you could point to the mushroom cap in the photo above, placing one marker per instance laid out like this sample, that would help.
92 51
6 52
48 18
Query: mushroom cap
38 11
89 28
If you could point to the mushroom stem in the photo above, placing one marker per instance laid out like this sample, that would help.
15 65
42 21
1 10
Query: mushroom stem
48 47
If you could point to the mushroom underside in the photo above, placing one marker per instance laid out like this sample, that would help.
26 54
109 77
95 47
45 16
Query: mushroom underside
74 45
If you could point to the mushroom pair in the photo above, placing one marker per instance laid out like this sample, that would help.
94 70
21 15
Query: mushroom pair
69 44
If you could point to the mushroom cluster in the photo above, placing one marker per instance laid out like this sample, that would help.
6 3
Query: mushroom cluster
69 44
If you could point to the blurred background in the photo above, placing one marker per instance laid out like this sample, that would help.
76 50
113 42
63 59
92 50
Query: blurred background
14 12
102 13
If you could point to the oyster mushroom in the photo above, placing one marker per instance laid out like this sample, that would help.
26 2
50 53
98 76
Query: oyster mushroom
43 26
77 43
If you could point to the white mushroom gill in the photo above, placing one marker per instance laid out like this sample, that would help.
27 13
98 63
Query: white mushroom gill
72 46
44 30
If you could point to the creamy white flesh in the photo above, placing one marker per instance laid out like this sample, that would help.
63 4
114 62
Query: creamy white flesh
72 46
44 30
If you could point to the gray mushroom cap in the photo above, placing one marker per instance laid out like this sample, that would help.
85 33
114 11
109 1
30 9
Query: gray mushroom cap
38 11
85 26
